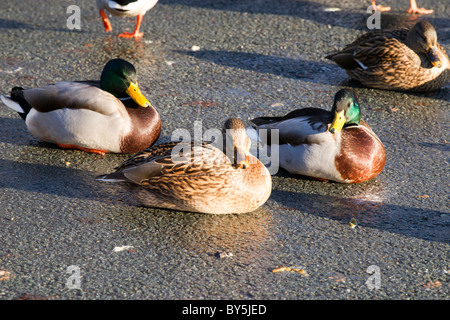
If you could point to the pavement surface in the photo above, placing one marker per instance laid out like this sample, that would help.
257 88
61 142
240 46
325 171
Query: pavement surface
208 60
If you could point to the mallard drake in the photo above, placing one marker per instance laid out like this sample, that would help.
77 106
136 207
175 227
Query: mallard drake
399 60
125 8
412 8
110 115
199 176
325 145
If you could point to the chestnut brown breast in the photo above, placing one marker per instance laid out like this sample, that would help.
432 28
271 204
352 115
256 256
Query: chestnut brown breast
362 155
146 128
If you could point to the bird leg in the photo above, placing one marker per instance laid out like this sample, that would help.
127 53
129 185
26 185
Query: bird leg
72 146
106 22
136 33
380 7
413 8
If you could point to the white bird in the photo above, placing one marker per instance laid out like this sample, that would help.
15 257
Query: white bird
125 8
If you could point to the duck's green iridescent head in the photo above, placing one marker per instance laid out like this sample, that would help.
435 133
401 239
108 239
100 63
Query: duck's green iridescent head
345 110
119 78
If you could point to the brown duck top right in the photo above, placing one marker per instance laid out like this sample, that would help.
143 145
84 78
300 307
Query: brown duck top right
401 60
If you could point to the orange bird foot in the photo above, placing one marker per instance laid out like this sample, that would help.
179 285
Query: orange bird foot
321 179
136 33
131 35
413 8
420 10
71 146
383 8
105 20
380 7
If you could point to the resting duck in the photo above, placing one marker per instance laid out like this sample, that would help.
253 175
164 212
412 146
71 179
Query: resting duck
399 60
412 8
110 115
325 145
198 176
125 8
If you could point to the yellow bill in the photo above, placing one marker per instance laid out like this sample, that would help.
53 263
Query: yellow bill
137 96
338 122
241 159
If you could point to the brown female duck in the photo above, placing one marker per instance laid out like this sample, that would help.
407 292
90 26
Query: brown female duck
402 60
199 177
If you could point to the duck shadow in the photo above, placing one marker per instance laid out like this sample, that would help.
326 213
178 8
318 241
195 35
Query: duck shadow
431 225
305 70
65 181
444 146
54 180
13 24
311 71
442 93
14 131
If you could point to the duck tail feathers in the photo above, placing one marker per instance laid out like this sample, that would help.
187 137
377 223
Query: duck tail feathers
112 177
264 120
17 102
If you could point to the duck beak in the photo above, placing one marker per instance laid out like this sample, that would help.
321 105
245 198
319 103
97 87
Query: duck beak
241 159
433 57
244 164
338 122
137 96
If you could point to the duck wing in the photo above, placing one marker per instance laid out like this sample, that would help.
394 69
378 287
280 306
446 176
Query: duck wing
301 126
169 159
372 49
70 95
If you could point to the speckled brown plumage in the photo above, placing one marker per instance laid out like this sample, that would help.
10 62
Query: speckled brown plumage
197 177
396 59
